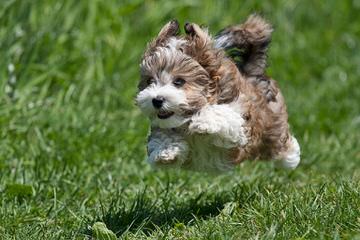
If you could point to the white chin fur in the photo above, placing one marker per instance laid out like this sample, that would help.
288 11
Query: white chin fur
171 122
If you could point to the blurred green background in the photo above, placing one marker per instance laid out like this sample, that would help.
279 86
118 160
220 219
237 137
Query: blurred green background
72 142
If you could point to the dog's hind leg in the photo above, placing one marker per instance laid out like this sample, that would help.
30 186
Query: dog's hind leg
290 157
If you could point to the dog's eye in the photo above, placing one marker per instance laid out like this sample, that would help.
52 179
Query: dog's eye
150 81
178 82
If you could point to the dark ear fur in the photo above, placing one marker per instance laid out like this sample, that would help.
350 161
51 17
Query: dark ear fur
200 47
169 30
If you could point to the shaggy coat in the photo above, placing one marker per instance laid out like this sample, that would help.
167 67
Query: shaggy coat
210 103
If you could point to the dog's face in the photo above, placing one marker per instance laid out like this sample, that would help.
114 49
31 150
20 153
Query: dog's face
173 84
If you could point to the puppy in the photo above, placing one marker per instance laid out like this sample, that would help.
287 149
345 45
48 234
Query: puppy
210 104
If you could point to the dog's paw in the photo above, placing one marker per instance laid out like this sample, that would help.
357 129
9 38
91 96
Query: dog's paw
167 156
224 125
204 126
162 157
290 158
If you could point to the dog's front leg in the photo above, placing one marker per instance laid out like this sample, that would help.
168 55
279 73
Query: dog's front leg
224 125
166 147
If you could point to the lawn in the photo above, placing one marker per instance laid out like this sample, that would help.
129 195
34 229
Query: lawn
72 148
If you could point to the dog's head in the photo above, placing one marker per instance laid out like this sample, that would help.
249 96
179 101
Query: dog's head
177 75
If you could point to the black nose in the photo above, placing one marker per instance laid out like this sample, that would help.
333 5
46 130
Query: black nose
158 102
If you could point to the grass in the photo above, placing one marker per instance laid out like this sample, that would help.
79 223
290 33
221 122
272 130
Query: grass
72 143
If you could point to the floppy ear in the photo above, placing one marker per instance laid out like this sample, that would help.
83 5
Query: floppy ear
169 30
201 48
197 35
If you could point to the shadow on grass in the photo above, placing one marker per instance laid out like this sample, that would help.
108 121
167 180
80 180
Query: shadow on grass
166 210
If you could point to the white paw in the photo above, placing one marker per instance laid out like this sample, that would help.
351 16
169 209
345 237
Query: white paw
170 155
203 126
291 158
226 126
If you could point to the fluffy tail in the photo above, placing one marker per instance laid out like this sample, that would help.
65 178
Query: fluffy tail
247 44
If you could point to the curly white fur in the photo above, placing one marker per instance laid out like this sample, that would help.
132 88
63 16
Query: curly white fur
291 158
223 123
214 129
